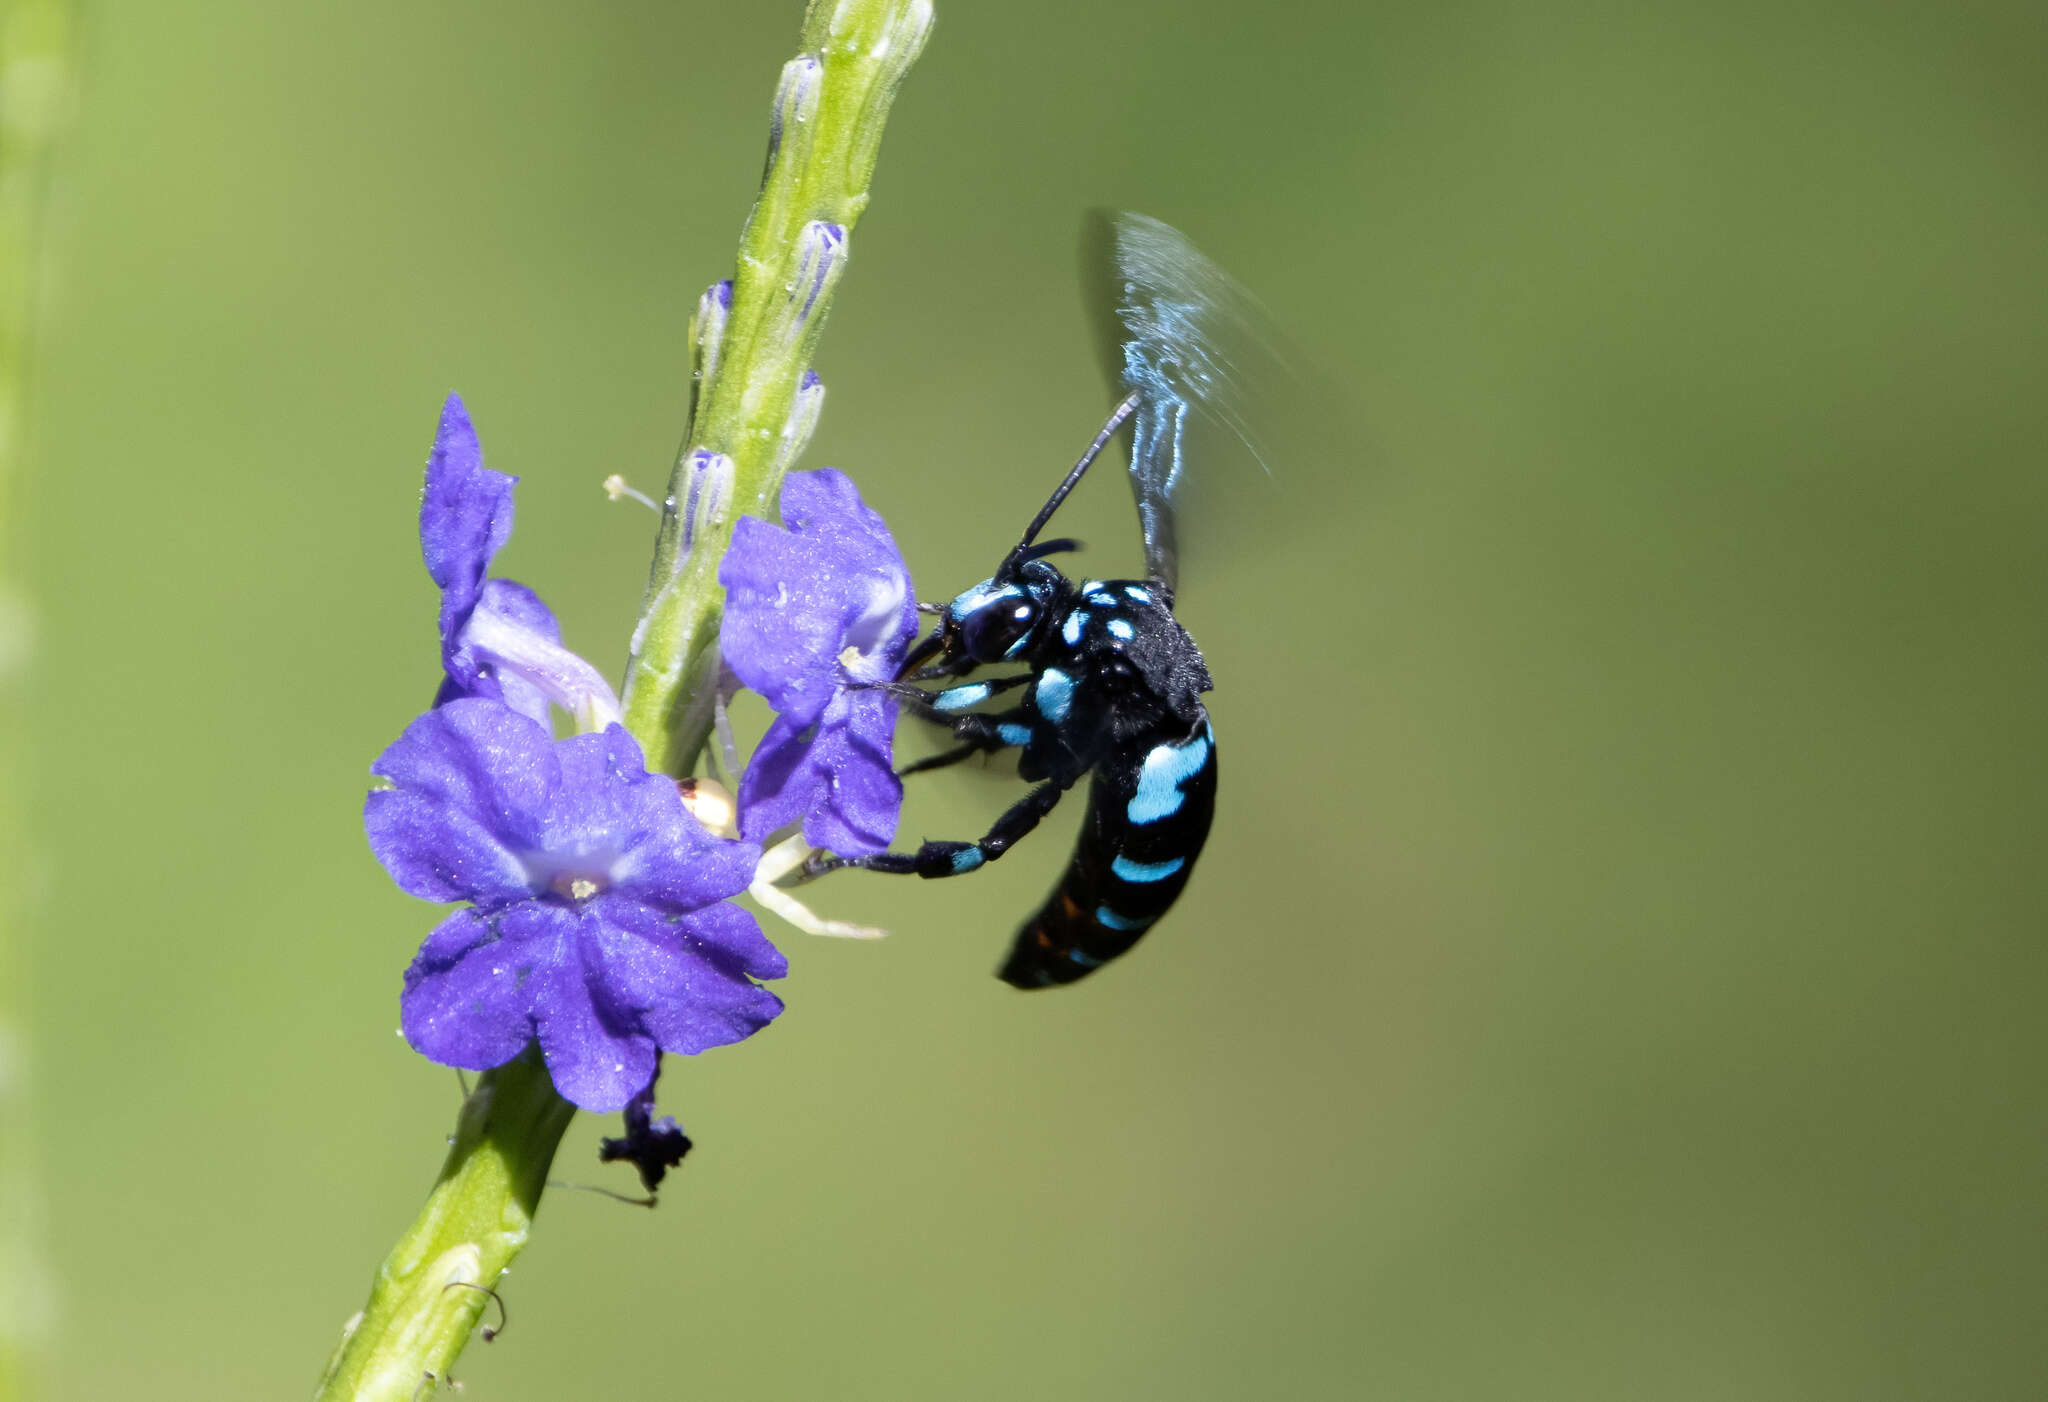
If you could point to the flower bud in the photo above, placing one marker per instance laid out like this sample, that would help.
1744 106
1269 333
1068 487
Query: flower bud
796 103
707 493
801 423
707 333
820 258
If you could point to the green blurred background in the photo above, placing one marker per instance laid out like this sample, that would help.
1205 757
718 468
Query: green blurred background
1616 972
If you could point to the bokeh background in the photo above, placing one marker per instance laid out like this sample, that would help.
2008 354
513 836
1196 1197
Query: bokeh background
1617 969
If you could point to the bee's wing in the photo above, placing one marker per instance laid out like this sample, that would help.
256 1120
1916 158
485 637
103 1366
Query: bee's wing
1194 347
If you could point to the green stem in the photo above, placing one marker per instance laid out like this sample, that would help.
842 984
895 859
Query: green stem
750 417
433 1287
829 111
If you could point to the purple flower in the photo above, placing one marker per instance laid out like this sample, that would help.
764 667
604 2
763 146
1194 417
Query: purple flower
809 610
498 640
597 920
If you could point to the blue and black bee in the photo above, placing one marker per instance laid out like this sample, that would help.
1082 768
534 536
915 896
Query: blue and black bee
1112 683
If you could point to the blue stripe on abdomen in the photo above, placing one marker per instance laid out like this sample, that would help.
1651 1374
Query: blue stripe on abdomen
1166 769
1128 870
1149 810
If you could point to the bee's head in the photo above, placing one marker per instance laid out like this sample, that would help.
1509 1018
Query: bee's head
996 620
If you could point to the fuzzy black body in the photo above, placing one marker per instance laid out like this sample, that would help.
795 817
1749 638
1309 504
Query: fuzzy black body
1111 687
1125 873
1111 683
1116 694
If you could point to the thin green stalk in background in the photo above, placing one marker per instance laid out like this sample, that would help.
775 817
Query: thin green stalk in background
750 416
35 101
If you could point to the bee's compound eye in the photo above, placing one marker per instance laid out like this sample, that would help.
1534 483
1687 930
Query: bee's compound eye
997 626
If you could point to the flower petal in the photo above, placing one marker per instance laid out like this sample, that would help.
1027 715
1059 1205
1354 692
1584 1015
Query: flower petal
862 795
598 1053
809 610
825 508
472 671
732 935
470 782
465 515
785 623
797 598
512 637
841 782
516 606
686 981
466 998
614 818
779 787
723 933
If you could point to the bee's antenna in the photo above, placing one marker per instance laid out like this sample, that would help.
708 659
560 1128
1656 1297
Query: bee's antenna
1117 416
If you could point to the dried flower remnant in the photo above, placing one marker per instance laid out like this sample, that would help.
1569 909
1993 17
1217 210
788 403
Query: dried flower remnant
652 1146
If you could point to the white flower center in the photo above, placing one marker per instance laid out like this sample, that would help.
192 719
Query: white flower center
578 886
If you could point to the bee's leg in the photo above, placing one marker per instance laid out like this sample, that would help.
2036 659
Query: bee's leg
977 734
953 858
941 706
941 760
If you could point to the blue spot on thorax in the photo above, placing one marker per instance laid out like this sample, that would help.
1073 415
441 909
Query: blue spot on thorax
1071 629
1121 629
1054 694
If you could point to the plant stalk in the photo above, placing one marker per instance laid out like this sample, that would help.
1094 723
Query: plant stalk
435 1285
752 410
826 129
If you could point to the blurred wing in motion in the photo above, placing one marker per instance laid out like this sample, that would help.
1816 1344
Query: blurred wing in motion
1195 349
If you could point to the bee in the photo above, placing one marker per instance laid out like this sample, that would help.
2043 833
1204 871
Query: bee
1111 684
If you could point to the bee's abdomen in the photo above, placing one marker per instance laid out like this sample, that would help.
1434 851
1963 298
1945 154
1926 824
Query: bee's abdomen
1149 807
